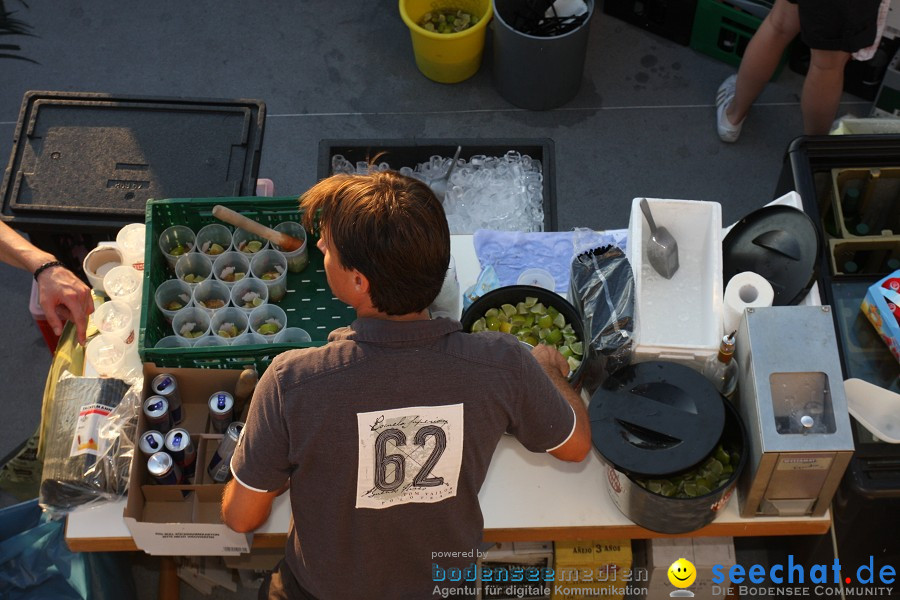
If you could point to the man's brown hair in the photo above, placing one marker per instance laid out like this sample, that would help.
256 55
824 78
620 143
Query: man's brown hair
389 227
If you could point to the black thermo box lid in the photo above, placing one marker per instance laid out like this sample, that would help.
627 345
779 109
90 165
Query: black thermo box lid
90 161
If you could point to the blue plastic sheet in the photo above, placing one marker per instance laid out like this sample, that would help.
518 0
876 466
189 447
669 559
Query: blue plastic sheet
36 564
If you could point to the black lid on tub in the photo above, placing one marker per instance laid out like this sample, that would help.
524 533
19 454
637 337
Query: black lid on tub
780 243
656 418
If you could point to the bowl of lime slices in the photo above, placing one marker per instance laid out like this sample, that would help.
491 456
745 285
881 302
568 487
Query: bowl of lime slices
535 316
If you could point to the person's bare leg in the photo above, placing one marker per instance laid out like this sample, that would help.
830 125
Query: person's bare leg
822 90
761 57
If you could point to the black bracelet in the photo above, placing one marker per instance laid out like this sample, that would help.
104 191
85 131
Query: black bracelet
45 266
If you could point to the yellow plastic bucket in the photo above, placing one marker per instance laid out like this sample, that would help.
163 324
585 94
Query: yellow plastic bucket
447 57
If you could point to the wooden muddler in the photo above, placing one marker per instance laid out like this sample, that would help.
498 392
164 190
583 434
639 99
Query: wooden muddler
284 241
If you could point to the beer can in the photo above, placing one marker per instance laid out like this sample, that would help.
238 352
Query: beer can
164 470
180 446
221 411
219 468
165 385
152 442
156 411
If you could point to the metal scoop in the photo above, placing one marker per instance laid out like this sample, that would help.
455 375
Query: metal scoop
662 249
439 185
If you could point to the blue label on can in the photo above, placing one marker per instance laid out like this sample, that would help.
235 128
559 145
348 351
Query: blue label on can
155 406
164 383
220 402
176 440
151 441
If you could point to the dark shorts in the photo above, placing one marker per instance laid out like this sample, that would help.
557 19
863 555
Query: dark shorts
847 25
281 584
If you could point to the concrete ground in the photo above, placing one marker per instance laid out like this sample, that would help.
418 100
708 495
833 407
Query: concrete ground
643 123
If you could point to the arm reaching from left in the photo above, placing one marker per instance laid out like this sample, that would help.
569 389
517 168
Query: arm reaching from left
62 295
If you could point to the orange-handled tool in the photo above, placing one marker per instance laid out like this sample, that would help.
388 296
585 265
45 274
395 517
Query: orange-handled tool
282 240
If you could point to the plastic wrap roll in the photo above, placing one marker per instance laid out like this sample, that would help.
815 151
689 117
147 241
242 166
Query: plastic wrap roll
745 290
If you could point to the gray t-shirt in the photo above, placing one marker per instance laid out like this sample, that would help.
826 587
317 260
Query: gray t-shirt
386 434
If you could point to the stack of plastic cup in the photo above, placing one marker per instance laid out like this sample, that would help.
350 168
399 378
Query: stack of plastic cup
230 267
213 240
270 266
106 354
175 242
248 293
299 258
171 296
124 283
268 320
115 318
130 240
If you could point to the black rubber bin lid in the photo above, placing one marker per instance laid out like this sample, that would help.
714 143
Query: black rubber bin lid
89 161
781 244
656 418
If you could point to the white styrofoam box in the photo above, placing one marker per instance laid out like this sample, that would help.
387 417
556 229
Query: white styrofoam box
791 199
678 319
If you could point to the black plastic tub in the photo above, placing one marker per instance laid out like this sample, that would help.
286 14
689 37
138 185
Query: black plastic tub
679 515
513 294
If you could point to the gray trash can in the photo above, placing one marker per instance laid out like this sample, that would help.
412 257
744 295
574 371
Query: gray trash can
533 72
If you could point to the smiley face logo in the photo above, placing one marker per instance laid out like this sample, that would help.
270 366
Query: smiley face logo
682 573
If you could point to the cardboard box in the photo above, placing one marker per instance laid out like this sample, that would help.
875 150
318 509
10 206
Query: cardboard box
657 555
184 520
592 569
515 570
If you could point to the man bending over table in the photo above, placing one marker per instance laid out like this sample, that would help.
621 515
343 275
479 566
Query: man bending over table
384 435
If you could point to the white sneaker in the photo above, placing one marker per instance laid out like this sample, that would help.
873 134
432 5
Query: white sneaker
727 132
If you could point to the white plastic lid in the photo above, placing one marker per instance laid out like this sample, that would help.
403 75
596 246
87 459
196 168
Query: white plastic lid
537 277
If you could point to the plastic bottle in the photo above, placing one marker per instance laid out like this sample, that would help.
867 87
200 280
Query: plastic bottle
722 369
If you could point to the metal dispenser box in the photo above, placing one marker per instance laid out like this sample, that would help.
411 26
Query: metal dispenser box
793 404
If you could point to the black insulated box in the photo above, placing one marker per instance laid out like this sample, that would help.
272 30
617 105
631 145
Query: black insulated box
409 153
84 165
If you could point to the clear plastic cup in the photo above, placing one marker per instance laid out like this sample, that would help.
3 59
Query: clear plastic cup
249 339
175 242
130 240
270 266
106 354
248 293
229 323
292 335
192 268
299 258
230 267
211 295
115 318
124 283
211 340
213 240
171 296
191 323
173 341
268 320
241 238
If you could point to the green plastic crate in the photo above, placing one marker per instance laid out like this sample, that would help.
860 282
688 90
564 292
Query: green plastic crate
723 31
308 303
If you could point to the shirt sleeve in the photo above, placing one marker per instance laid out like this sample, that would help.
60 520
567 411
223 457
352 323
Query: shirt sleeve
261 460
541 419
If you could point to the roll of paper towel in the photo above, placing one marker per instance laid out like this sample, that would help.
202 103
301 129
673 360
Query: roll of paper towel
745 290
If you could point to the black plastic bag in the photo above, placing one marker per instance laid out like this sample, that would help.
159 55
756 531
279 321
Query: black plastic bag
601 288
